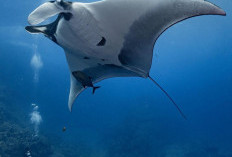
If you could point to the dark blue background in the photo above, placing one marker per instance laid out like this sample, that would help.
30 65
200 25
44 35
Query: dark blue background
131 116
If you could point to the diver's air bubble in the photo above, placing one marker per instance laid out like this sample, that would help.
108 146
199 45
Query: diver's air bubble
35 118
36 63
28 154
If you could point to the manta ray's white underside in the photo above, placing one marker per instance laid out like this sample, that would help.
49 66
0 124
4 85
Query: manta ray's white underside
112 38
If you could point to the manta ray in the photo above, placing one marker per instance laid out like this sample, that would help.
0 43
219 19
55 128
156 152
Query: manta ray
111 38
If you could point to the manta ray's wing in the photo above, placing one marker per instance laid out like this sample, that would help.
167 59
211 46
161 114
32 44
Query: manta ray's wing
135 25
97 72
126 31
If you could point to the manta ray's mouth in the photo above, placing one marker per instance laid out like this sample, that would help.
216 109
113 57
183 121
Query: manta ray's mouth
50 29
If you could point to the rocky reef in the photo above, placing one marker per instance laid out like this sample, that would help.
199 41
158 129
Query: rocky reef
17 139
17 135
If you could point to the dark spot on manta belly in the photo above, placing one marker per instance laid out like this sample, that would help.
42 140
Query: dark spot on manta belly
103 60
67 16
102 42
86 58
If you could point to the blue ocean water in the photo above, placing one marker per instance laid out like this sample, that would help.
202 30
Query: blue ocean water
127 117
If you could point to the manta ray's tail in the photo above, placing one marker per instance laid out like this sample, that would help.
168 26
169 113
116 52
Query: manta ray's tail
178 108
94 89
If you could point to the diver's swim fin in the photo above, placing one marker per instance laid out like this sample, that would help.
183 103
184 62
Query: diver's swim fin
94 89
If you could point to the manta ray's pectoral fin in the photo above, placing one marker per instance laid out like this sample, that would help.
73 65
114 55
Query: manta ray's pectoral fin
75 89
97 73
141 22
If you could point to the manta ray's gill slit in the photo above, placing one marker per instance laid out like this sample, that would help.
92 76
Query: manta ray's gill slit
86 58
102 42
67 16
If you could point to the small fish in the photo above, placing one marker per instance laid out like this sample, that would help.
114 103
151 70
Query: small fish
64 129
85 80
